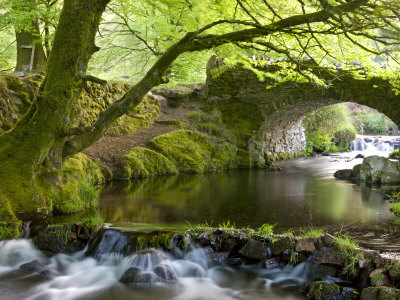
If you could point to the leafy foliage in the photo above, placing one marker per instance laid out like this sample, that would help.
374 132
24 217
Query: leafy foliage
372 122
329 129
395 154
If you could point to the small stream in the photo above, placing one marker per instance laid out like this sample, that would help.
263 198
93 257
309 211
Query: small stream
303 194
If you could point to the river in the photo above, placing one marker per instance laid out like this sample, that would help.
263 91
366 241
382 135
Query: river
303 194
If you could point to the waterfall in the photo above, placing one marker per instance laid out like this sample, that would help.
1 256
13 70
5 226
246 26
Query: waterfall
375 145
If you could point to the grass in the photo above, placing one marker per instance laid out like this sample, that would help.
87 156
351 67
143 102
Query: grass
293 259
266 230
346 249
310 233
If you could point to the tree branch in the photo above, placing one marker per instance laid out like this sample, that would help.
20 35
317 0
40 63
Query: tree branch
192 41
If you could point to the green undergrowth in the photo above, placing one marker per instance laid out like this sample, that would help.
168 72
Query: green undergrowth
329 129
395 154
347 250
310 233
264 232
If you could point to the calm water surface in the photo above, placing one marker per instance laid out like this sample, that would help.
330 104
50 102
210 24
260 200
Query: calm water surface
303 194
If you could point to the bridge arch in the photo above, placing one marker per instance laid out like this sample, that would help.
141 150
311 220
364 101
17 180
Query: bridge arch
285 106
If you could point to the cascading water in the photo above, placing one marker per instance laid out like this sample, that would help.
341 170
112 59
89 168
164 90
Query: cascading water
375 145
192 276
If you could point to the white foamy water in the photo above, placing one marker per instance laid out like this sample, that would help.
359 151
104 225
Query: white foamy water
65 277
375 145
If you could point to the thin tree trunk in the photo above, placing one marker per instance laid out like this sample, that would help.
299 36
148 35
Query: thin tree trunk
27 42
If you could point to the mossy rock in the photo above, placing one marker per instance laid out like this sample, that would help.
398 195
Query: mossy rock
321 290
142 162
78 189
380 293
193 152
10 231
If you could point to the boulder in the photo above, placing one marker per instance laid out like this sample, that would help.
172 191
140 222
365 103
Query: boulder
165 272
380 170
272 263
204 239
356 172
306 246
378 278
281 245
255 250
134 275
130 275
319 272
328 256
349 294
346 174
321 290
380 293
32 266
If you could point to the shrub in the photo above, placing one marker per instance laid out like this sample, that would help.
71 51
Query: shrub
394 154
344 136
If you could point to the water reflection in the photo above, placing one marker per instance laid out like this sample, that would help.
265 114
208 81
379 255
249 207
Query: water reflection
290 198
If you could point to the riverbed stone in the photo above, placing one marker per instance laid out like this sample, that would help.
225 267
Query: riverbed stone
378 278
380 170
272 263
356 172
57 239
318 272
380 293
134 275
306 246
31 266
255 250
282 244
345 174
165 272
328 256
130 275
204 239
321 290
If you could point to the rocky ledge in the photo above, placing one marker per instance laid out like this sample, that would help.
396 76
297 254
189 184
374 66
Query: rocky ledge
335 267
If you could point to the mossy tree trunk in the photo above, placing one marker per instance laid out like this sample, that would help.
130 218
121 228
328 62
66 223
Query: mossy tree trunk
28 42
44 138
34 146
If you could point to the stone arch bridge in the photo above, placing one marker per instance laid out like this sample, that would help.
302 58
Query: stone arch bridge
284 106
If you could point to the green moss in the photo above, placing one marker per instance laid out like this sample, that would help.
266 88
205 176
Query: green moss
10 231
142 162
77 191
81 164
323 290
193 152
141 116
